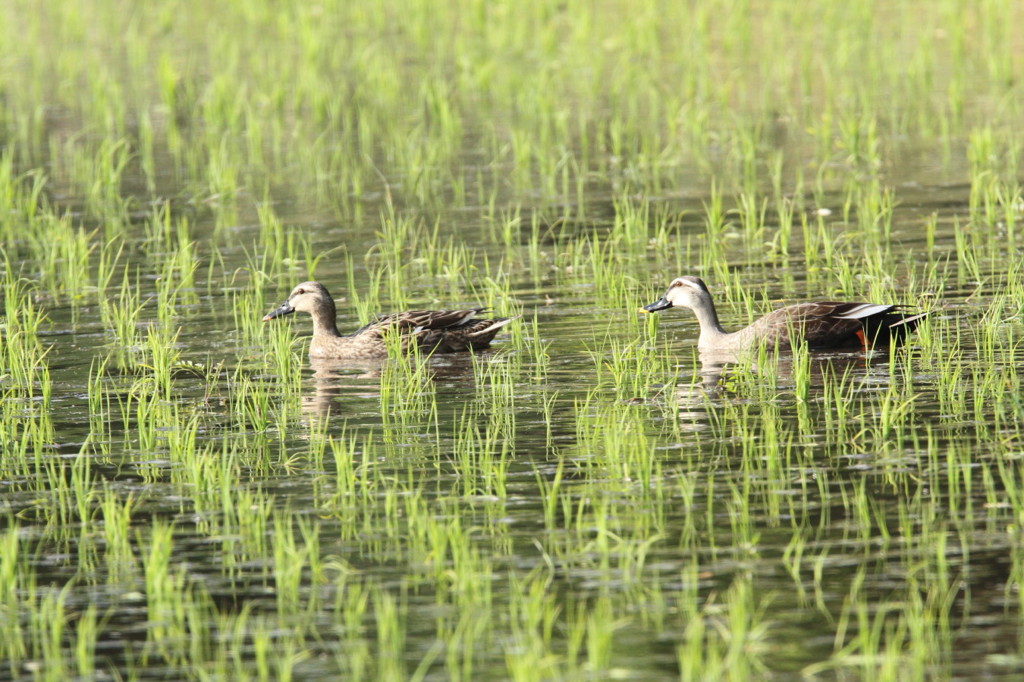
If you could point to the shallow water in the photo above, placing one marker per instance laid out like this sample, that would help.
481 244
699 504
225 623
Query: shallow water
590 498
740 480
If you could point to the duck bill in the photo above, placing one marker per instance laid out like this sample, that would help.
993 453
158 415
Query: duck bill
284 309
661 304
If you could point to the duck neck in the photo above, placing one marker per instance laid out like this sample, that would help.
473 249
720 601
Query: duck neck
711 332
325 322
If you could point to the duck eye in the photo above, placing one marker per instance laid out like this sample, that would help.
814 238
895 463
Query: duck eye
300 291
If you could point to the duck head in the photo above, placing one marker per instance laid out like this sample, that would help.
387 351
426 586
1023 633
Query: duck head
308 297
684 292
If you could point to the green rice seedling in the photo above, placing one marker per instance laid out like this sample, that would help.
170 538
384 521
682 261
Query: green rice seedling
389 615
273 243
981 151
817 241
505 229
145 147
21 199
206 475
164 590
458 565
399 236
666 235
290 562
64 254
137 405
630 228
160 356
1011 200
251 516
444 260
354 656
233 657
282 354
94 172
176 285
612 286
802 383
118 551
462 643
874 207
634 369
108 265
713 254
752 219
85 639
498 378
725 641
626 452
995 208
103 197
350 461
49 619
533 614
80 489
600 628
550 495
121 316
407 393
969 268
22 354
366 303
482 456
537 257
180 436
160 229
839 392
859 140
884 644
528 337
241 532
248 305
744 153
16 583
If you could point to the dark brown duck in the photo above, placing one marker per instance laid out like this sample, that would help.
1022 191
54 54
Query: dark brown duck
821 324
439 331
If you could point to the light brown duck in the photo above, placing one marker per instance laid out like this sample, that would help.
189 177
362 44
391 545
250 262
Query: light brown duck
821 324
440 331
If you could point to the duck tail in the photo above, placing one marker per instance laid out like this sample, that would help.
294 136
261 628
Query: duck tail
892 327
909 322
493 327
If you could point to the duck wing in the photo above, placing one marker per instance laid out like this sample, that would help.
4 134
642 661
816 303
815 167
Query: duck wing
835 324
441 330
821 324
413 321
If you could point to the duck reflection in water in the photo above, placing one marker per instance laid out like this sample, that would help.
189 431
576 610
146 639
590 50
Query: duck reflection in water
344 386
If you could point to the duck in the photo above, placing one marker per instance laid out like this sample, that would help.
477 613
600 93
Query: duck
433 331
820 324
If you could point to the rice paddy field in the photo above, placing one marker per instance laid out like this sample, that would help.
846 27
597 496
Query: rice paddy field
184 494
